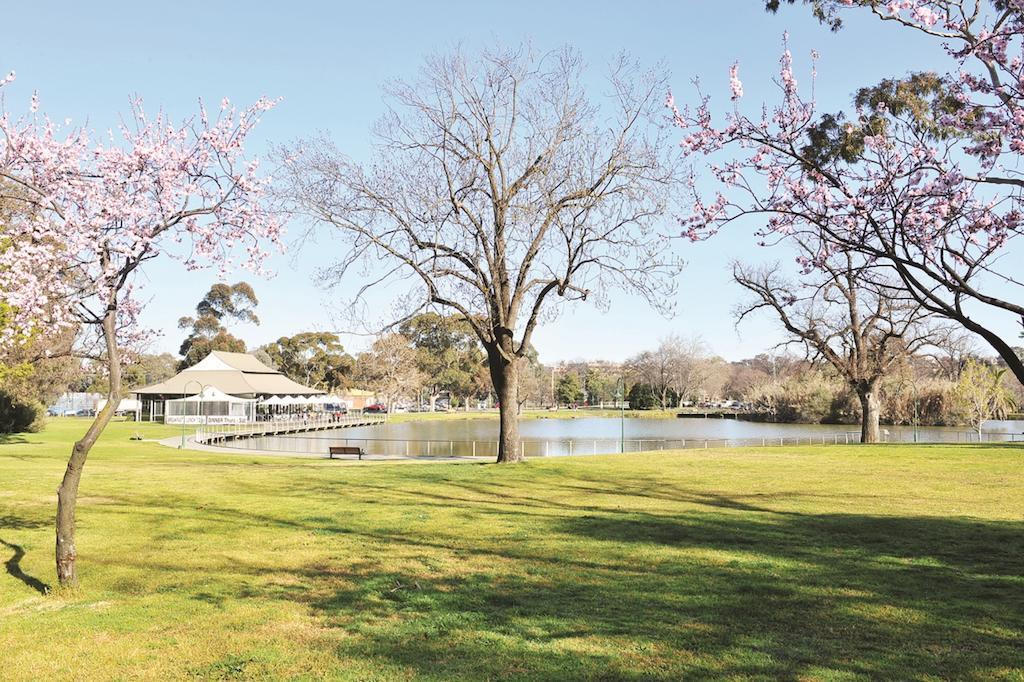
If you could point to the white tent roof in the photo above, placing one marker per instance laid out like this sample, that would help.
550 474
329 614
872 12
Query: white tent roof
126 405
211 394
292 400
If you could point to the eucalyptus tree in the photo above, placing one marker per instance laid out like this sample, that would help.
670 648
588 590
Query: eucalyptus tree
315 359
208 332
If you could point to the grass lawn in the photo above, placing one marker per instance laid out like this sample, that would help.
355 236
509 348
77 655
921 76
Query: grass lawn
893 562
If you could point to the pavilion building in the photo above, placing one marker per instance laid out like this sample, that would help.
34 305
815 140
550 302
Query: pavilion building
222 388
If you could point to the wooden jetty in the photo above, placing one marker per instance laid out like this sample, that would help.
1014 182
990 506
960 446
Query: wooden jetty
221 433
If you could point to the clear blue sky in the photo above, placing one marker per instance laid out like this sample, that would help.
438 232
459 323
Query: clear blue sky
328 61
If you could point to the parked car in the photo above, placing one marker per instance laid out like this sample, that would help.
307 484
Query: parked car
376 408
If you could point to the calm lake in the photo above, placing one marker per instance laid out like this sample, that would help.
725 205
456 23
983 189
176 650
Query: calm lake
595 435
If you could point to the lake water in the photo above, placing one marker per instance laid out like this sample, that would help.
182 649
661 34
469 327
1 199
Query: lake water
594 435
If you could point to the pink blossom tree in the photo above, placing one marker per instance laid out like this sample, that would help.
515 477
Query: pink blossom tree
921 178
94 209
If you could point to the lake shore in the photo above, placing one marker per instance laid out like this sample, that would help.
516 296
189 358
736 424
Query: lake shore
582 413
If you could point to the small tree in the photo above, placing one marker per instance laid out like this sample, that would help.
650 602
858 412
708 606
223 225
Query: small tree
448 354
982 395
601 384
499 187
569 389
389 368
677 370
94 213
534 382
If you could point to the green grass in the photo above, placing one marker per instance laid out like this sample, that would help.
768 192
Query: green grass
803 563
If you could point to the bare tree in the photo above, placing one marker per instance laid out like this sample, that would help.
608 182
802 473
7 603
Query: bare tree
952 353
677 370
653 368
846 315
690 366
498 186
389 367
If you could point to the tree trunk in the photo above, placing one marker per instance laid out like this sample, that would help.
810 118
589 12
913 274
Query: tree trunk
505 376
67 493
869 411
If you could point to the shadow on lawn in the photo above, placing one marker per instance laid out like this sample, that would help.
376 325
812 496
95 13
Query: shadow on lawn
11 522
785 598
13 566
726 588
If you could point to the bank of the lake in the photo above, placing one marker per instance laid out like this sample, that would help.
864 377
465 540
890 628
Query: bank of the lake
596 435
455 415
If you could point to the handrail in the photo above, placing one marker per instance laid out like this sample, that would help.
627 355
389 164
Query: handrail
206 434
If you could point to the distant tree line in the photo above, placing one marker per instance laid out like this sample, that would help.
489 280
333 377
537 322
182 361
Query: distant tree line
436 361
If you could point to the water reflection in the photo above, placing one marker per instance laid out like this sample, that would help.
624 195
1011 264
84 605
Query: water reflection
598 435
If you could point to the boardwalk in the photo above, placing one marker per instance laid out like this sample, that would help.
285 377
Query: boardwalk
220 433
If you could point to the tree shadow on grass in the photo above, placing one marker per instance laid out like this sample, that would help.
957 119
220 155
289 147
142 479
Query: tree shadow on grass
13 566
796 596
721 592
11 522
723 588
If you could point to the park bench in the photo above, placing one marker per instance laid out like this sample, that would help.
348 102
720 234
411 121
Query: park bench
333 450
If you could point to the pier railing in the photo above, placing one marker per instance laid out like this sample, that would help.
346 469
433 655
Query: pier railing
222 433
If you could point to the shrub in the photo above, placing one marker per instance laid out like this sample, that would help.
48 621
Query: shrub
811 397
18 416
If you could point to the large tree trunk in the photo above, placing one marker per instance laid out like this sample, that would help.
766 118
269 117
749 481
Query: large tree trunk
869 412
67 493
505 376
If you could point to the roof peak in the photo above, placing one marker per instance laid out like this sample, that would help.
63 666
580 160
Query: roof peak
243 362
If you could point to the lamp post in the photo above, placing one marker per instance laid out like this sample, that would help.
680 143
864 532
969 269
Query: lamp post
917 419
202 387
620 391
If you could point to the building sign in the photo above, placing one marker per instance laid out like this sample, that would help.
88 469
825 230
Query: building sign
205 419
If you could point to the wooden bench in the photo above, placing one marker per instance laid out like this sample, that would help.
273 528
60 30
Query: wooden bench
333 450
